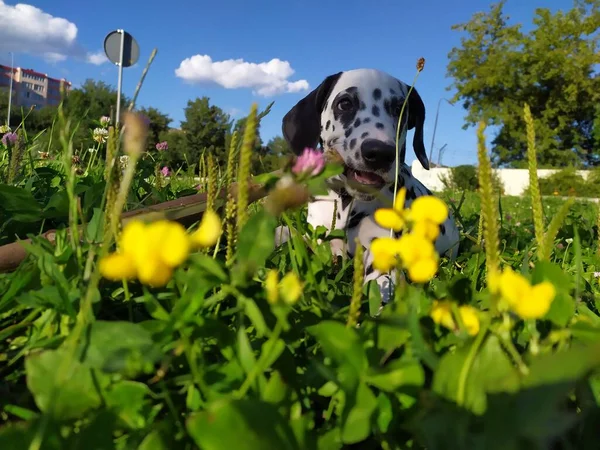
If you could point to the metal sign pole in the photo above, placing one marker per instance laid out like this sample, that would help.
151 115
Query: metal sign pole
123 51
120 82
10 89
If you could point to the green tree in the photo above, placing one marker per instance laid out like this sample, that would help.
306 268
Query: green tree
498 68
204 129
157 127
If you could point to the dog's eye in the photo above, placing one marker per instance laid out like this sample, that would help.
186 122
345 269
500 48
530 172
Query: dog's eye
344 104
397 110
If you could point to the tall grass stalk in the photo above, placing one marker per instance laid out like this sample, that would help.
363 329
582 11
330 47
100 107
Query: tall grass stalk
230 206
489 209
244 168
403 130
534 185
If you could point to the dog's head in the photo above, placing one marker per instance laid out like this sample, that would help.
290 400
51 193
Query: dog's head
356 113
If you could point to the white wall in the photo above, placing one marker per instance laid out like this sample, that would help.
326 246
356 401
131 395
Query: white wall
515 181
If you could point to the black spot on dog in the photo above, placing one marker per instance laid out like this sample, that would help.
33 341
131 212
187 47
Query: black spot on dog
411 194
331 142
379 126
352 144
357 123
369 270
346 198
393 107
339 215
377 94
364 135
363 106
442 229
355 220
348 132
356 155
328 124
332 127
400 185
375 110
347 115
366 120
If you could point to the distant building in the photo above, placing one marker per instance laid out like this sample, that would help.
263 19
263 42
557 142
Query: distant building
31 88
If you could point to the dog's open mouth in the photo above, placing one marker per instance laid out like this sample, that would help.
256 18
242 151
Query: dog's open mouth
364 178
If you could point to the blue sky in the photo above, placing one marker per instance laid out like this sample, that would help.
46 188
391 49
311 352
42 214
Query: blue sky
316 37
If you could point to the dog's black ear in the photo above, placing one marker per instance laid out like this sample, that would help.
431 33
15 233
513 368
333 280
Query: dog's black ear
301 126
416 120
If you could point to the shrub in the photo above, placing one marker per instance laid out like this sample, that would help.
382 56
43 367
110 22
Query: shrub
565 182
464 178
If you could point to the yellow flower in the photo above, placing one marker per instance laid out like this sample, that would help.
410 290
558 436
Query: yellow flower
422 270
426 228
537 304
428 208
117 266
385 251
441 314
289 289
149 252
427 214
527 301
271 286
208 231
394 218
413 247
154 272
470 319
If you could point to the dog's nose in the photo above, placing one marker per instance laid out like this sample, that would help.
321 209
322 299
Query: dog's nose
377 154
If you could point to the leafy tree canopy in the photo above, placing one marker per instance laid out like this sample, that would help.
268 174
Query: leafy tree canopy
499 67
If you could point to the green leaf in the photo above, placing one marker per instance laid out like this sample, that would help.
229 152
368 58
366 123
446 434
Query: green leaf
95 227
586 332
244 350
340 343
64 394
19 204
396 374
119 346
57 206
460 289
358 415
256 317
276 389
567 366
256 242
241 425
127 399
208 268
488 371
561 310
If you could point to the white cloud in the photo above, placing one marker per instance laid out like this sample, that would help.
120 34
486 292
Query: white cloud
97 58
28 29
266 78
25 28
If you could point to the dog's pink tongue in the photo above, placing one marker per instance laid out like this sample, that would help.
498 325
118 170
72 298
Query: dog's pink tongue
367 177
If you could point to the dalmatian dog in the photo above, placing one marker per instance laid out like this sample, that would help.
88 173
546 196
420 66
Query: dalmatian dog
356 114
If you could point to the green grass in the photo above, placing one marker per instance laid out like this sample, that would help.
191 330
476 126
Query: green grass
206 362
